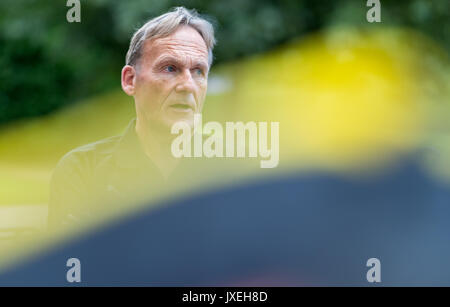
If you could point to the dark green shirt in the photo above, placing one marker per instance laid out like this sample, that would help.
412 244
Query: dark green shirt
101 177
112 174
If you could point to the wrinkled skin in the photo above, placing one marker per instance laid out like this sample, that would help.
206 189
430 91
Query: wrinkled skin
169 81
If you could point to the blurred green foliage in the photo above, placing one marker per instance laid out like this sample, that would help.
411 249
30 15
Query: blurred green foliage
46 62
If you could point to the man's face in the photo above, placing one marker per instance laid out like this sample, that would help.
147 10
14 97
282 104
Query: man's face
171 78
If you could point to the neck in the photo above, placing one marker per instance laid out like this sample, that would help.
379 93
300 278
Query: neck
157 146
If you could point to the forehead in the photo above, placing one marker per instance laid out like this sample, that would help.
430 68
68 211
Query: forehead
185 44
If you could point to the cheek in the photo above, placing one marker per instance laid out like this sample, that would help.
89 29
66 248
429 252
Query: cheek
202 91
151 87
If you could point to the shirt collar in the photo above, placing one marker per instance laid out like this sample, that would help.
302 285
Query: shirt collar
128 152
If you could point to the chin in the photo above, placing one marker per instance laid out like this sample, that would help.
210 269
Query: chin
186 119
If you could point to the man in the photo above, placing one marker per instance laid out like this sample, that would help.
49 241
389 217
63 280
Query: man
166 72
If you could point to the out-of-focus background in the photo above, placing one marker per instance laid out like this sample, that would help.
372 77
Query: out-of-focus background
350 95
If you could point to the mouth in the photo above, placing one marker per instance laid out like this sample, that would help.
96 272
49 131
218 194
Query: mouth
181 107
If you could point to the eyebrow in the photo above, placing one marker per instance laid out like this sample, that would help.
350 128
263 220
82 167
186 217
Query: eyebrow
201 65
170 59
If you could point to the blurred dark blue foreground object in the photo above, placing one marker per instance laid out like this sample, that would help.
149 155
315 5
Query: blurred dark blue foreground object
298 230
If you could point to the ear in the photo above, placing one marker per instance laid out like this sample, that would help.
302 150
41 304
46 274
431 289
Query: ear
128 79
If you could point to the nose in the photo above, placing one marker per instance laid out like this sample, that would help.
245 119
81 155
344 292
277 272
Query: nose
186 82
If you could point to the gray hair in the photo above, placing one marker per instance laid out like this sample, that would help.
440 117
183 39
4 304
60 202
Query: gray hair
165 25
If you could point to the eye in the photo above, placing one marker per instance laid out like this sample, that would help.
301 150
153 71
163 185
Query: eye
170 68
199 71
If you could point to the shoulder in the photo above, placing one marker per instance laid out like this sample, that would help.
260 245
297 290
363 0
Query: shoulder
85 158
